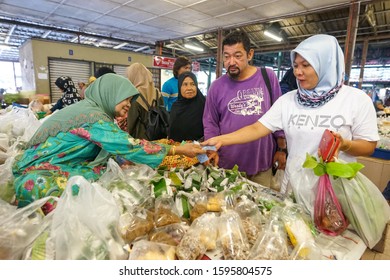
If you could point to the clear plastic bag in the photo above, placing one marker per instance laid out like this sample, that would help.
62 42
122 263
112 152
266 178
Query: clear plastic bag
7 189
201 236
303 182
232 236
20 227
4 145
198 205
307 250
297 225
165 211
85 225
364 206
206 227
170 234
272 244
328 215
148 250
126 185
251 219
135 223
266 202
218 201
191 246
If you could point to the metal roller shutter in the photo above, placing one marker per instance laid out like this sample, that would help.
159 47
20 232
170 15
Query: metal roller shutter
156 73
120 70
77 70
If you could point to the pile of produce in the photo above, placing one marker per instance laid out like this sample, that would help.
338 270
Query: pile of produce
141 213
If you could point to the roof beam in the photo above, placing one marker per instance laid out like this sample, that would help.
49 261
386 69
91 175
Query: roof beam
10 31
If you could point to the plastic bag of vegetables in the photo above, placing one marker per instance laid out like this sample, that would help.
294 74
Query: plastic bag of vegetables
364 206
20 227
85 225
361 201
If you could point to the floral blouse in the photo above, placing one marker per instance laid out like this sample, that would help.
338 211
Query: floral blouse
44 169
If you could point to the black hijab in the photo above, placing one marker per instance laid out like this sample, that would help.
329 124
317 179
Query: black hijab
187 114
70 94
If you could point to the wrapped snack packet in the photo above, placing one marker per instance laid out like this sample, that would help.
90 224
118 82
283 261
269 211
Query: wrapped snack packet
136 223
272 244
198 205
165 211
169 234
251 218
201 237
190 247
232 236
147 250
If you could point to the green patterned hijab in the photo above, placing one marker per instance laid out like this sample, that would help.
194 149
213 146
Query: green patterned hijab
101 97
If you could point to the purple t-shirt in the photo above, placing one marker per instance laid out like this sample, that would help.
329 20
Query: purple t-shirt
231 105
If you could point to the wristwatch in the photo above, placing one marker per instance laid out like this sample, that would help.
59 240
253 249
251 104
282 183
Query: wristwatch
282 150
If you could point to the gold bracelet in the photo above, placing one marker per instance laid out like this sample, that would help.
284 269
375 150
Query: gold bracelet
173 150
350 145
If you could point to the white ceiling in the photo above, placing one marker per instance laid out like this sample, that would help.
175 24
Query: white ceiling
149 21
144 22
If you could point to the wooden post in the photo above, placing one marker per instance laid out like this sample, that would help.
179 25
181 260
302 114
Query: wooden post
353 21
362 63
218 68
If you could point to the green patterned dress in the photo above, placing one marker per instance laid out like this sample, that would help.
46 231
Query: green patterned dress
44 169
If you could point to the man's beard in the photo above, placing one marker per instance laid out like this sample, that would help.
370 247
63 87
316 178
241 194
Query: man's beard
234 75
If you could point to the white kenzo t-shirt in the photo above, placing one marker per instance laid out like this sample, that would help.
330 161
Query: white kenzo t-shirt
350 113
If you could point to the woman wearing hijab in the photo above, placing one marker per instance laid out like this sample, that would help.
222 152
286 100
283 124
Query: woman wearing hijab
142 79
187 112
70 93
321 101
79 140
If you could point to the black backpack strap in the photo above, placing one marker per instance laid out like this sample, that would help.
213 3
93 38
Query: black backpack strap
267 83
144 100
148 105
158 103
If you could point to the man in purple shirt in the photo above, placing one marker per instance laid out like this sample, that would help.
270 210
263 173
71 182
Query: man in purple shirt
239 98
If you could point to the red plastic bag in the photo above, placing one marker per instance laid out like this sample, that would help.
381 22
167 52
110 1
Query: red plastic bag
328 215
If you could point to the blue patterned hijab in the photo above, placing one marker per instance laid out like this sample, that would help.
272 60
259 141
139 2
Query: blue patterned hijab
326 57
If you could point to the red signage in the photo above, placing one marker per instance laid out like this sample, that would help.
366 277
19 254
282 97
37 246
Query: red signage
167 63
163 62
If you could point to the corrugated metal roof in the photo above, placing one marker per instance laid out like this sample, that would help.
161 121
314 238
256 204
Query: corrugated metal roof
139 25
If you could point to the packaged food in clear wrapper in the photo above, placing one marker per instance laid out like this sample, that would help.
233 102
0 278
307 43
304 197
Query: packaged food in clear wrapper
267 201
297 225
218 201
169 234
206 226
165 211
198 205
137 223
272 244
148 250
191 246
232 236
20 227
307 250
201 236
251 218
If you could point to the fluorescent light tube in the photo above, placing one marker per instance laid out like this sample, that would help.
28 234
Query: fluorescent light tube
120 46
195 48
141 49
273 36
